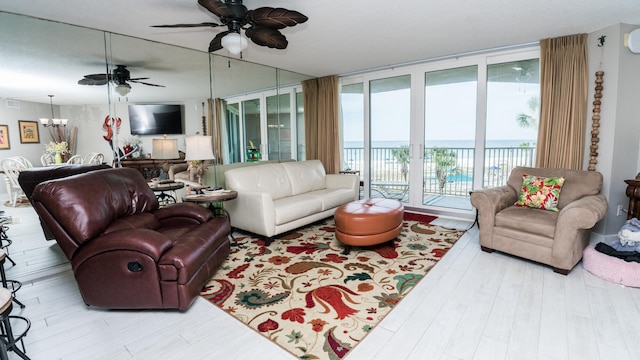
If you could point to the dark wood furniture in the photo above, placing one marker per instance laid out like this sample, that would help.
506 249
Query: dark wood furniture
149 168
164 198
633 192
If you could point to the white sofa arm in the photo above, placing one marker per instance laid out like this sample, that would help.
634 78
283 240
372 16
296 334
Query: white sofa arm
252 211
344 181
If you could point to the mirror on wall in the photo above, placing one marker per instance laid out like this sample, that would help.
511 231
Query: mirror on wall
41 58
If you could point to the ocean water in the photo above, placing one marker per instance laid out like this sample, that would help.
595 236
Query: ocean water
442 143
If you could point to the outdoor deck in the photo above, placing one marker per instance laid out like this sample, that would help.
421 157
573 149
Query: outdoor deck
448 173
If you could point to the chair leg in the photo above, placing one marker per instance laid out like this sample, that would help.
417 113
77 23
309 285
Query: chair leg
487 249
561 271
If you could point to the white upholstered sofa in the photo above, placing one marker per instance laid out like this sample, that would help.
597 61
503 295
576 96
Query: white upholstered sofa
276 198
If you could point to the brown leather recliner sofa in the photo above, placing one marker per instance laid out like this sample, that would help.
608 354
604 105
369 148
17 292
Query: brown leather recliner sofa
125 251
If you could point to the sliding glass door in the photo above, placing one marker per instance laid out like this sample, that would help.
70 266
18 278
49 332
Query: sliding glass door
390 113
449 136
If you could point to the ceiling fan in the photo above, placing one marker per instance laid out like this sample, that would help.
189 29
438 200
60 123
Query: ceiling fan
261 25
120 77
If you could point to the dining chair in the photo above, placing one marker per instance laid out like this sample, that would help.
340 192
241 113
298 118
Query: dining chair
12 168
93 159
47 159
75 159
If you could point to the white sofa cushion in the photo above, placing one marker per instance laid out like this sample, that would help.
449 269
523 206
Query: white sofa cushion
295 207
267 178
305 176
332 198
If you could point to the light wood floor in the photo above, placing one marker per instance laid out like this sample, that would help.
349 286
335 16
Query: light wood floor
472 305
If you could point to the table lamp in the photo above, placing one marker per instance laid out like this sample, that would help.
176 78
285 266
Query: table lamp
199 149
164 149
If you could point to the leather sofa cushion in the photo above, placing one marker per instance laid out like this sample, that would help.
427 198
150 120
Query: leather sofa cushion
534 221
332 198
295 207
137 221
112 193
305 176
267 178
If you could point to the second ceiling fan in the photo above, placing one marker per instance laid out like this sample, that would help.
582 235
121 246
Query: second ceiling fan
262 25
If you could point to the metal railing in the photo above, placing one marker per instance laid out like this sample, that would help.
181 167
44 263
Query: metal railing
448 174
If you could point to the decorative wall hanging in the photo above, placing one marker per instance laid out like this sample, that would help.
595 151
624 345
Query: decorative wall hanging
595 125
28 132
4 137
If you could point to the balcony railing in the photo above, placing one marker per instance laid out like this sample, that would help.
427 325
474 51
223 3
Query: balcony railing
446 171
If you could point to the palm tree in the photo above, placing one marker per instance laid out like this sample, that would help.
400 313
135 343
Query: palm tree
402 156
445 162
526 120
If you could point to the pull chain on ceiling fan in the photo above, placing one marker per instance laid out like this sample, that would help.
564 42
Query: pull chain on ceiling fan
261 25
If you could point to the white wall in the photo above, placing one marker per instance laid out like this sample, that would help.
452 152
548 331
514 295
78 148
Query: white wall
619 145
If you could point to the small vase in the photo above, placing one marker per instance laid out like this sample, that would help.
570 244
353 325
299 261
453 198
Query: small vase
58 158
127 149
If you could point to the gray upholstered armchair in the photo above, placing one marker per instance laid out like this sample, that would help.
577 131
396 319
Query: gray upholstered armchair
553 238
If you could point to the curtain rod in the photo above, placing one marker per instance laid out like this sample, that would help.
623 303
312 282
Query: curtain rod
439 58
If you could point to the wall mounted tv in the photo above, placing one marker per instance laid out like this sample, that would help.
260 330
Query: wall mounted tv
155 119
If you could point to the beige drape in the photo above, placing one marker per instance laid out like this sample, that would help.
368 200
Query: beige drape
214 123
321 121
563 102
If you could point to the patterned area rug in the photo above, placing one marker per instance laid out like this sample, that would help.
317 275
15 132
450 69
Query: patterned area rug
303 294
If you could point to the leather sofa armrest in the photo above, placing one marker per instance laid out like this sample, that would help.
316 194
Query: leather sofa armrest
145 241
181 211
176 168
253 211
344 181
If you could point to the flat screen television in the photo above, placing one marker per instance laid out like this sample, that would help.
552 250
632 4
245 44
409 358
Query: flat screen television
155 119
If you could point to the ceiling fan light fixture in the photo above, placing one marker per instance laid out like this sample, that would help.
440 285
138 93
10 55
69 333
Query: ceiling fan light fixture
123 89
234 43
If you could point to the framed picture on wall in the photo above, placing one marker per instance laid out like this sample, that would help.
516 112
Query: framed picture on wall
28 132
4 137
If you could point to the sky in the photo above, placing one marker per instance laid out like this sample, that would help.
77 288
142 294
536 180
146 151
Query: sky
450 113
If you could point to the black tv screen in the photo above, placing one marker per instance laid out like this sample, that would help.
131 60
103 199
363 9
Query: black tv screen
155 119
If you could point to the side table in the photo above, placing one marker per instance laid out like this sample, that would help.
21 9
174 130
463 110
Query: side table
218 198
164 198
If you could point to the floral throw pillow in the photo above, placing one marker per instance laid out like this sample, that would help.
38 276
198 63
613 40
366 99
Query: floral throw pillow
540 192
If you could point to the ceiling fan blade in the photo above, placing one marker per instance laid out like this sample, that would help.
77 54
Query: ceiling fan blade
269 37
275 18
216 43
94 79
207 24
135 79
145 83
217 7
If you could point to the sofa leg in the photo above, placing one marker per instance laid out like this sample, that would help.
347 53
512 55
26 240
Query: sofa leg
486 249
268 241
561 271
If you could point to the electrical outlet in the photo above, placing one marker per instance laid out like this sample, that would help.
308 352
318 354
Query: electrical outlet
619 211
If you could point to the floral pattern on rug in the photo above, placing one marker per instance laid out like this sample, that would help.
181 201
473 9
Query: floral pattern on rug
303 294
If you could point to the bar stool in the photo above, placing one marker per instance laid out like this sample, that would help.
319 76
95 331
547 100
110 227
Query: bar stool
8 340
4 238
15 285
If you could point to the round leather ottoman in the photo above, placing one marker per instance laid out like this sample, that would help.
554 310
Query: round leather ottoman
368 222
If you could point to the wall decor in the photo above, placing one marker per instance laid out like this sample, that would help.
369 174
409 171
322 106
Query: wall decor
4 137
28 132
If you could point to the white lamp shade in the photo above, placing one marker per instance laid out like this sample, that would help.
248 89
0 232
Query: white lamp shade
234 42
198 148
123 89
164 149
